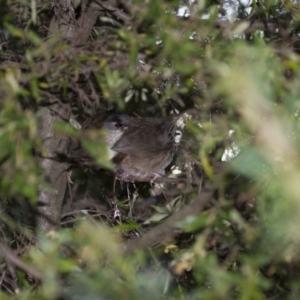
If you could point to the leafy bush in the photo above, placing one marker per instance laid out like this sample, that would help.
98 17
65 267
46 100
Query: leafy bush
230 229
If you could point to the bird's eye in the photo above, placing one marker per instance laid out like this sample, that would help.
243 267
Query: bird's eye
118 125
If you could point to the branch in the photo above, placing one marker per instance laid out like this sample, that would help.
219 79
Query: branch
11 258
51 194
249 26
169 228
75 31
51 197
120 14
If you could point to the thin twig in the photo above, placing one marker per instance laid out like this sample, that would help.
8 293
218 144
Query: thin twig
10 257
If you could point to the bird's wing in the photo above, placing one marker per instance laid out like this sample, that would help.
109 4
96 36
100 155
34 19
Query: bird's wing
136 140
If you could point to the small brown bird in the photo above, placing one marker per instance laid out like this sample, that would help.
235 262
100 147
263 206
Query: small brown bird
141 148
145 149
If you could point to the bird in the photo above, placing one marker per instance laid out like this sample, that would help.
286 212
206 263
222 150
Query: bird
145 149
141 148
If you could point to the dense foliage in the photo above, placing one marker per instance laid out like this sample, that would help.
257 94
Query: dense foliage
229 230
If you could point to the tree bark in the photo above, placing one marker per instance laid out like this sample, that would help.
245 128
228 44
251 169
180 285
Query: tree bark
51 193
75 31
